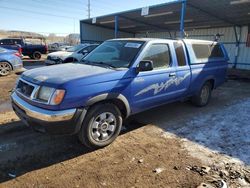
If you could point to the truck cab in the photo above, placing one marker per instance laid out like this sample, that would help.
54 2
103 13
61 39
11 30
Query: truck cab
121 77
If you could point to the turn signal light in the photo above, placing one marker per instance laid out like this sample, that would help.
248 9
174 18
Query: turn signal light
57 97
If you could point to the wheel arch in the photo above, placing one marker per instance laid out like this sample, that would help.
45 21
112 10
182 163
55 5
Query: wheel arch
2 61
211 80
117 99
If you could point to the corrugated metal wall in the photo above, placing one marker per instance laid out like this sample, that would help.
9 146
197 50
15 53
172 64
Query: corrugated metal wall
94 33
228 38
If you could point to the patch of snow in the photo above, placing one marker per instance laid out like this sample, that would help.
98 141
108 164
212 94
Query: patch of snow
221 136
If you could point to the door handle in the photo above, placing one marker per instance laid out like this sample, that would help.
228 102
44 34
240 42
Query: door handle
172 74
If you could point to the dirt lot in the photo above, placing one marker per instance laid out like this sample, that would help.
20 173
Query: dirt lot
177 145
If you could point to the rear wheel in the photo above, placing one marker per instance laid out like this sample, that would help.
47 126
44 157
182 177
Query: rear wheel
36 55
5 68
101 126
203 97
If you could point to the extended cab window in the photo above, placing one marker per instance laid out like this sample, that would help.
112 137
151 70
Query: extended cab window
159 54
180 54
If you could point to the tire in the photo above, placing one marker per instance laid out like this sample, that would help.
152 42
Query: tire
5 68
101 126
36 55
204 95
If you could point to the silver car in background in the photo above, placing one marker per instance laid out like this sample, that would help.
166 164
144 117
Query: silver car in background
73 54
10 61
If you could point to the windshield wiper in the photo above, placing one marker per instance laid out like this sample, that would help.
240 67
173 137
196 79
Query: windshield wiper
106 64
98 64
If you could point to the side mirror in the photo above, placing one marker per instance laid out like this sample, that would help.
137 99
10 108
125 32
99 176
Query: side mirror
145 66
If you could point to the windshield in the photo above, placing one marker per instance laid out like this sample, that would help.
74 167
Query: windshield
75 48
116 54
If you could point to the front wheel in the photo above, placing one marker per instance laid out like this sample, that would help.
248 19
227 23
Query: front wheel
204 95
101 126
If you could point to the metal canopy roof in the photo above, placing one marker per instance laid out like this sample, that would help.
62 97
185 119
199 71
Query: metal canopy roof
167 17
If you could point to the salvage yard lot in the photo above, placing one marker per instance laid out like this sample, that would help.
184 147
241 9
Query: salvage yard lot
176 145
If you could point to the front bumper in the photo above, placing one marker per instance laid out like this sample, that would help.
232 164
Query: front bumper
20 70
18 67
53 62
54 122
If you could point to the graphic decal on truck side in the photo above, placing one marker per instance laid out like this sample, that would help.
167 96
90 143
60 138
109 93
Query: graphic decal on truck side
157 88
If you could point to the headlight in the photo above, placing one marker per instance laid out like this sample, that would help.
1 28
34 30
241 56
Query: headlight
50 95
44 93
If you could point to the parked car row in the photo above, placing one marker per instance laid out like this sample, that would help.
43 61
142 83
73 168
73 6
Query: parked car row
11 56
34 51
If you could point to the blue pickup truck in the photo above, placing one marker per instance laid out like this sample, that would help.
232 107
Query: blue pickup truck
119 78
34 51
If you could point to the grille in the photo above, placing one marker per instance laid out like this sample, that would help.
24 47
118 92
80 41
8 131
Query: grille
25 88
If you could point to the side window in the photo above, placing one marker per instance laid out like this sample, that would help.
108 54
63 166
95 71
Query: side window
201 51
5 42
206 51
159 54
180 54
16 41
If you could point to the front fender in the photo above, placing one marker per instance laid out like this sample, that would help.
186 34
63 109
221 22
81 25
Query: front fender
109 96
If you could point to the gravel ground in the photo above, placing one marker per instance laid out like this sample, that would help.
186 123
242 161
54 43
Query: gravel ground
176 145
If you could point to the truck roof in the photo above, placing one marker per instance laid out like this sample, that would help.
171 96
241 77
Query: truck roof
140 39
152 39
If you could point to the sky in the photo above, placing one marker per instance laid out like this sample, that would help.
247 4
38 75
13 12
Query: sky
59 16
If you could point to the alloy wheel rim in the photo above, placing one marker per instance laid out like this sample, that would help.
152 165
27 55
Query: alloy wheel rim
103 127
4 68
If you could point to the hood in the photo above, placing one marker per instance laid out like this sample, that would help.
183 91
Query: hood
56 76
60 54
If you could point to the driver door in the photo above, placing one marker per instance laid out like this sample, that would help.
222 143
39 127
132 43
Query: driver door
155 87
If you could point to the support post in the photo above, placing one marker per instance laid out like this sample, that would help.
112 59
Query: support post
183 12
116 26
237 50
